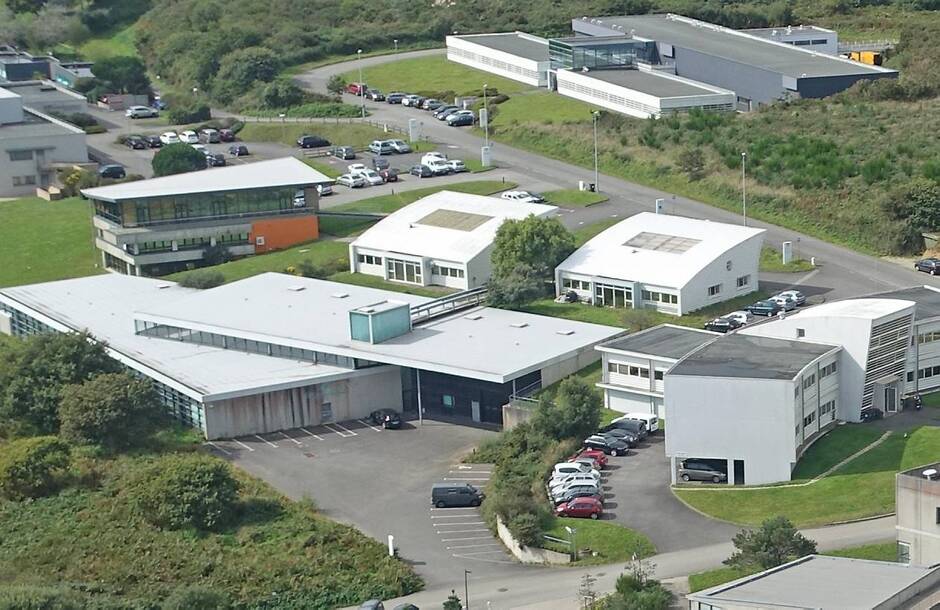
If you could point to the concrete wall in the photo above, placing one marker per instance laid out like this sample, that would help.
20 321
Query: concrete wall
514 415
744 259
918 501
560 369
528 554
465 51
11 107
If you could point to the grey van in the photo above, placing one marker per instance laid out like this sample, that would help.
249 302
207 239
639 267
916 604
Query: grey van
446 495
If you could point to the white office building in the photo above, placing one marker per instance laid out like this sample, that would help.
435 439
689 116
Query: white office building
669 263
516 55
444 239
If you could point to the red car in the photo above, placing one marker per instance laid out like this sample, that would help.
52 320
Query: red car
584 508
594 454
356 88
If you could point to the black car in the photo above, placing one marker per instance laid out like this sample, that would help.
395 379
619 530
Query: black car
871 414
634 426
238 150
622 434
375 95
394 98
764 308
113 171
388 418
928 265
312 142
607 444
378 164
344 152
215 159
461 121
422 171
389 174
153 141
433 105
723 325
442 113
136 142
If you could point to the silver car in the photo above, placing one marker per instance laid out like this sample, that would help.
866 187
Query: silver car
141 112
353 181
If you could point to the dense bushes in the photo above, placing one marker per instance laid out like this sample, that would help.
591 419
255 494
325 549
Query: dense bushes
177 159
32 467
110 410
202 279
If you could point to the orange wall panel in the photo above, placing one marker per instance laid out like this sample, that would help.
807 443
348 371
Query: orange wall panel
281 233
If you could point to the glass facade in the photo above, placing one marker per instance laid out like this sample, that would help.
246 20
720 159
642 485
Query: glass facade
23 325
202 206
596 54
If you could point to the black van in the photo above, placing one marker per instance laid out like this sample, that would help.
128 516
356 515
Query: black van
446 495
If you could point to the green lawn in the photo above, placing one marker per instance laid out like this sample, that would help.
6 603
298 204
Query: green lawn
573 198
543 108
862 488
931 400
41 241
476 166
600 542
770 261
433 75
120 43
328 166
584 234
591 374
831 449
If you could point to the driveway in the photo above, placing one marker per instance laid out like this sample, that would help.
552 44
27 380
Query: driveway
380 482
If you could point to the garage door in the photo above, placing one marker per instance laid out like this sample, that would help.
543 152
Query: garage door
625 402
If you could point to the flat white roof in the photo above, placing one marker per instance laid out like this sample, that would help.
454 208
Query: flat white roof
869 309
104 305
7 94
286 171
485 343
671 251
446 225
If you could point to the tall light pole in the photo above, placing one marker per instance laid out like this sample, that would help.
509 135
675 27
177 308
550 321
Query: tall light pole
396 44
573 542
596 114
744 186
362 93
466 588
486 125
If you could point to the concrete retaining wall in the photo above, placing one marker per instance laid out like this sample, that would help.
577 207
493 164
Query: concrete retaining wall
513 416
528 554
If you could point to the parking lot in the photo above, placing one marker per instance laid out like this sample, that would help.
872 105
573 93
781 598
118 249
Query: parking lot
380 481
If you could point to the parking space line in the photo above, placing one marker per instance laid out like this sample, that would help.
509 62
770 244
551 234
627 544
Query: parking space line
463 516
500 551
465 531
342 427
369 425
472 546
466 479
456 524
235 440
456 508
470 472
471 538
291 439
316 436
226 452
263 440
335 431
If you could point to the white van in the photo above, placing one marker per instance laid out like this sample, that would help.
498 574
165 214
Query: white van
652 422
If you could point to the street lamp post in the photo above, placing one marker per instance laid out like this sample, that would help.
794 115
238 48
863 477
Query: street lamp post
466 587
744 186
573 541
596 114
486 125
362 94
396 44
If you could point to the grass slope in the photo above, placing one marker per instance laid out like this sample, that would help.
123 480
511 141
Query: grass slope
41 241
831 449
544 108
600 542
862 488
120 43
432 74
770 261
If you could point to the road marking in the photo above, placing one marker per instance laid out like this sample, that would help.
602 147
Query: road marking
470 546
258 436
470 472
219 448
369 425
316 436
805 278
335 431
500 551
465 531
471 538
235 440
466 479
341 427
464 467
464 516
456 508
456 524
293 440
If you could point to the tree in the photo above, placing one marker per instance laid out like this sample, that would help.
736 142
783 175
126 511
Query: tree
575 411
123 74
281 94
522 285
107 410
921 200
25 6
774 543
41 368
186 490
242 68
336 84
32 467
692 162
196 598
637 590
177 159
538 243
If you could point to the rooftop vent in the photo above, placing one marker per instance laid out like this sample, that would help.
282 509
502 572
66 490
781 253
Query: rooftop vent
565 332
930 474
473 316
519 324
296 288
339 295
164 286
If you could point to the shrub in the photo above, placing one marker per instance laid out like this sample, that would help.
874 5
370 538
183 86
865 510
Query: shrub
184 110
309 268
196 598
107 410
177 159
39 598
202 279
336 84
182 491
526 529
32 467
692 162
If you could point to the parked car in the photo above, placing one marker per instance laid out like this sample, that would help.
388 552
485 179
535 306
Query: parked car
461 118
136 143
209 136
693 470
375 95
433 156
609 445
226 135
457 166
785 303
764 308
445 495
158 103
378 164
928 265
576 491
555 486
324 189
743 317
871 414
585 508
796 295
443 112
153 141
431 103
439 167
169 137
215 159
650 419
189 137
238 150
112 170
371 177
587 463
421 171
355 168
353 181
372 604
394 98
381 147
300 199
524 196
356 88
141 112
399 146
412 100
638 428
723 325
312 142
622 434
389 174
344 152
594 454
566 468
387 418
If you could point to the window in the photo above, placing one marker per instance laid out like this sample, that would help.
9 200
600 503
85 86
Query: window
446 271
326 412
929 337
826 408
24 180
938 515
904 552
369 259
743 281
830 368
606 295
635 371
910 376
808 381
660 297
714 290
809 419
403 271
575 284
800 332
612 367
448 401
728 265
658 375
21 155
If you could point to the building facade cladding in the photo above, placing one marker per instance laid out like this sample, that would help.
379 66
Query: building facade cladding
465 51
27 160
917 498
416 270
634 383
923 361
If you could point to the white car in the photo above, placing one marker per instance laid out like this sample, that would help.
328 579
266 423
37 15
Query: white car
582 478
566 468
431 156
399 146
786 303
141 112
796 295
189 137
353 181
741 316
324 189
355 168
439 167
651 421
524 196
410 100
169 137
371 177
201 148
457 166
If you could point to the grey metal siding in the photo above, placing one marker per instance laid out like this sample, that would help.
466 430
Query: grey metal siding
824 86
756 84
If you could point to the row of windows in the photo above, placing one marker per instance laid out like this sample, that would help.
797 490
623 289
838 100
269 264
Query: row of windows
575 284
446 271
809 419
403 271
827 407
369 259
634 371
827 370
21 155
926 373
929 337
495 63
619 100
660 297
606 295
24 180
806 43
22 325
809 380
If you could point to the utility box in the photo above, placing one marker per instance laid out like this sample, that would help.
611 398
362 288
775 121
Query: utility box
787 252
380 321
660 204
485 156
414 130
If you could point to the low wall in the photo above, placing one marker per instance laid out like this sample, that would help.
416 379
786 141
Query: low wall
528 554
514 415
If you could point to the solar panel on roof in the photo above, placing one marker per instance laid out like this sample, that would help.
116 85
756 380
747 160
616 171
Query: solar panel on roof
454 219
661 243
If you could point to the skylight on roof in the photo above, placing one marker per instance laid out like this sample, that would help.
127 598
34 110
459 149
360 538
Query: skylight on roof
454 219
659 242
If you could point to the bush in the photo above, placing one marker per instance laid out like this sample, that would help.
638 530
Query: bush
177 159
202 279
39 598
336 84
107 410
182 491
196 598
32 467
526 528
309 268
184 110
